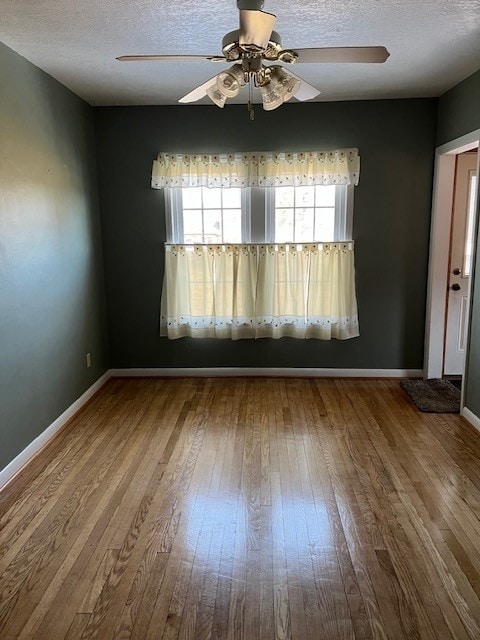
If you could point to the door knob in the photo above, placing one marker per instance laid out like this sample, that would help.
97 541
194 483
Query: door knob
455 287
456 271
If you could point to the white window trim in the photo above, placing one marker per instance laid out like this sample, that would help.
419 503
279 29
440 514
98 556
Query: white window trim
173 217
246 205
258 214
344 213
269 200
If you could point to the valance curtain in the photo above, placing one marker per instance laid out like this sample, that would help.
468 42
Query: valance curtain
339 167
259 291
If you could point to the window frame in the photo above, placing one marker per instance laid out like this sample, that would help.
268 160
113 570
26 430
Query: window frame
258 214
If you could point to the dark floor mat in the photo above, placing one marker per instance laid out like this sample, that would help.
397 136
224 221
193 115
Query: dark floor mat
456 383
434 396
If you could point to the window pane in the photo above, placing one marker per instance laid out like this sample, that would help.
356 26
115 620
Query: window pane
232 198
213 225
192 223
232 226
285 196
192 197
212 198
284 225
303 225
325 196
197 215
304 196
325 225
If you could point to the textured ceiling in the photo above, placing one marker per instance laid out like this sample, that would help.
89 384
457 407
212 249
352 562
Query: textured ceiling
433 44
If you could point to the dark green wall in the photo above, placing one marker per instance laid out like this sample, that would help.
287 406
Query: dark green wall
51 277
459 110
458 114
396 140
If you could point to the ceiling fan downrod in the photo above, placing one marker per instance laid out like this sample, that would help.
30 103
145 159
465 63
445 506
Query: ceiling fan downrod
250 5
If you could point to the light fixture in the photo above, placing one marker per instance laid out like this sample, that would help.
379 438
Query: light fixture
290 84
231 81
271 96
276 85
281 87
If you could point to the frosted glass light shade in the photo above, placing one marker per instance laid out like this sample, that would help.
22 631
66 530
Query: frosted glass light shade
231 81
271 96
216 96
289 84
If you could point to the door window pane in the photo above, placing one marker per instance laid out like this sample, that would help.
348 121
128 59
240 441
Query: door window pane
467 259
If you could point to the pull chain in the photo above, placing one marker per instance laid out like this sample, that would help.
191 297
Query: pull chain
250 99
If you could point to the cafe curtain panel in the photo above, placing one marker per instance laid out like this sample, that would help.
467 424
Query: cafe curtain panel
341 167
259 291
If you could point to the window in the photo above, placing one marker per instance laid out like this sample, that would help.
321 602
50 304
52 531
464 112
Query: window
309 214
304 214
199 215
251 255
207 216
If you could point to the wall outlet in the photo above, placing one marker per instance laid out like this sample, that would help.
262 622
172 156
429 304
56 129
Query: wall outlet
89 360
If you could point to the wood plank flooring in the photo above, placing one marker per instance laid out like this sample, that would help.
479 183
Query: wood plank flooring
256 509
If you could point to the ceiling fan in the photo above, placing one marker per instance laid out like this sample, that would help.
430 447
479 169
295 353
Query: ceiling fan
254 44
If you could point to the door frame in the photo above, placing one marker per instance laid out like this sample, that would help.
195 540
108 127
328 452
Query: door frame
441 221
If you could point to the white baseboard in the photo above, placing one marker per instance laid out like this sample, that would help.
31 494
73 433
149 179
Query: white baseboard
273 372
471 418
23 458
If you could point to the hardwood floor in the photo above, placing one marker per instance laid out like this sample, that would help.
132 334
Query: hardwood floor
257 509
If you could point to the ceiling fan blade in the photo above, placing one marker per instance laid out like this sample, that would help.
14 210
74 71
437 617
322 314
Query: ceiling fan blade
342 54
255 29
173 58
306 90
199 92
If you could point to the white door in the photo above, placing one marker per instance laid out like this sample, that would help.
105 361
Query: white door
460 263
